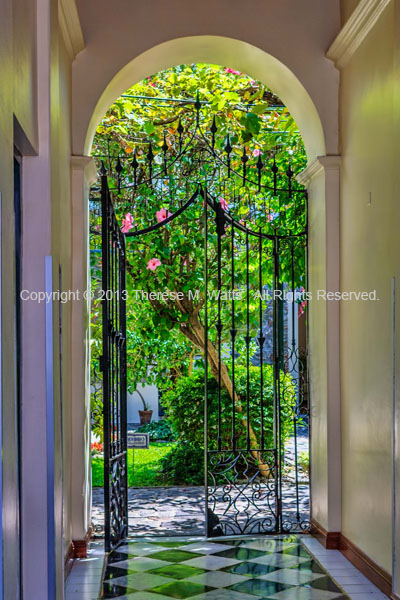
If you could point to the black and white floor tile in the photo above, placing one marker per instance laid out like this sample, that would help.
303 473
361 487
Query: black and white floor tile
267 568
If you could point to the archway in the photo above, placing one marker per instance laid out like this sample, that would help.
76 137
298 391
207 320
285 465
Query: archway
143 172
219 50
322 181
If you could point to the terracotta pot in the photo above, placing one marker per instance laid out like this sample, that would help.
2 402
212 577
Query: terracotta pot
145 416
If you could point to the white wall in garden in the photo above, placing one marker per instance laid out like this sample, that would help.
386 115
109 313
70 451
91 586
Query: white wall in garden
150 394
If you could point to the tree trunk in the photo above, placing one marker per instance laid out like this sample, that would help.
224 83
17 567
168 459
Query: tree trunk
194 331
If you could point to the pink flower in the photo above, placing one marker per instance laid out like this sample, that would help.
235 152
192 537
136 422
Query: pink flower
127 223
229 70
153 264
97 227
162 214
302 307
256 152
223 203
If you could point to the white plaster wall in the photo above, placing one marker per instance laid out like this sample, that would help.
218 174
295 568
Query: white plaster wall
370 250
150 394
318 357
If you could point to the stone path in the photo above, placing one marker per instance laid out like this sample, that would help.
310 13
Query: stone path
158 510
180 510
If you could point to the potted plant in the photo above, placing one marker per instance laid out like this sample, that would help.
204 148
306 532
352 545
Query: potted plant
145 414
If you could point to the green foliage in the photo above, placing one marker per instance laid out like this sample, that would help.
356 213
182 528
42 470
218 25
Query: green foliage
160 333
304 460
184 465
158 430
184 404
144 466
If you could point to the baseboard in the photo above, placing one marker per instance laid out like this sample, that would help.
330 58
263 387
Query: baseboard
69 560
329 539
381 578
337 541
80 547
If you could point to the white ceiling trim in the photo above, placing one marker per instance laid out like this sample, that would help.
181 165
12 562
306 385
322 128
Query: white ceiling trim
70 26
355 30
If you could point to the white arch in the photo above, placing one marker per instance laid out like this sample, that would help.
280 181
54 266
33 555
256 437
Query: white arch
225 51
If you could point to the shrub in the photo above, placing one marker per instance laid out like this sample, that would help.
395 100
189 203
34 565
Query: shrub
184 465
184 404
158 430
304 460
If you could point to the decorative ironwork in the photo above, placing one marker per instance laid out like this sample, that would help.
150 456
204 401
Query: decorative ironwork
253 480
113 366
204 158
242 499
253 483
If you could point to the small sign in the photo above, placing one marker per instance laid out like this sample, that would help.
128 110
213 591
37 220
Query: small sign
138 440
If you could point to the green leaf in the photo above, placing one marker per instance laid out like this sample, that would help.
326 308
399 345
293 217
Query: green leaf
260 108
149 127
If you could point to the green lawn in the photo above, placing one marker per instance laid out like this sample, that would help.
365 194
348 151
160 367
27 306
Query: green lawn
146 469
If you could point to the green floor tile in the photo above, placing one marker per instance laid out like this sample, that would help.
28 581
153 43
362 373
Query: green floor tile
178 571
181 589
174 556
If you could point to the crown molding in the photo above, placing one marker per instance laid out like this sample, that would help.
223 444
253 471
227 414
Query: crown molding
330 161
70 27
355 30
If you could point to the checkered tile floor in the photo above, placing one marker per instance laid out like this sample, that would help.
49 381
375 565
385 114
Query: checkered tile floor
273 568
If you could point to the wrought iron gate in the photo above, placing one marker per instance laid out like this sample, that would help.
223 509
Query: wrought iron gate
113 366
255 356
260 397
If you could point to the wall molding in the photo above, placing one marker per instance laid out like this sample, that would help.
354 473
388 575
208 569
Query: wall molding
368 567
87 165
70 26
68 561
80 547
330 161
355 30
329 539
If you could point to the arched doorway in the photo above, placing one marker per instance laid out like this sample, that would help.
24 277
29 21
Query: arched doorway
264 210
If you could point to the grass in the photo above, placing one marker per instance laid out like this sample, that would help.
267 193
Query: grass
144 473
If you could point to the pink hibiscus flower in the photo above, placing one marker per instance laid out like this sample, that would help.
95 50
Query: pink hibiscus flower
162 214
229 70
127 223
153 264
256 152
223 203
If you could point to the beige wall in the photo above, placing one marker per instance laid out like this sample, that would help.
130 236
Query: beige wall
29 69
370 251
18 97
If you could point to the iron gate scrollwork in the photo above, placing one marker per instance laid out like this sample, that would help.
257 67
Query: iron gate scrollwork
113 365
